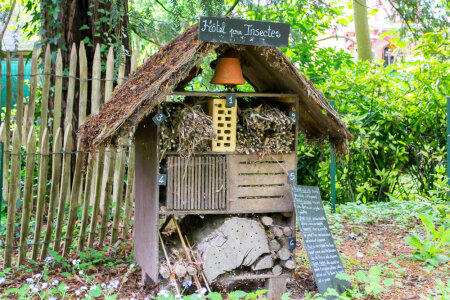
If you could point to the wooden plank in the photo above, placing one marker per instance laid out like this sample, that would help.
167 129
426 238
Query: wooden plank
110 156
13 197
27 196
276 287
82 104
262 179
7 129
95 195
109 74
58 93
42 190
45 90
146 219
74 196
199 182
96 82
261 205
100 156
121 72
170 183
31 106
86 202
239 94
119 174
54 190
262 191
71 86
65 185
19 99
129 195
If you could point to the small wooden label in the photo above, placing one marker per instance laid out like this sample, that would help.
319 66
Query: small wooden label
243 32
292 176
231 100
322 253
162 179
159 118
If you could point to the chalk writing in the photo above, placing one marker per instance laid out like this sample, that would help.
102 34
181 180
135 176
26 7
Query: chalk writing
322 253
236 31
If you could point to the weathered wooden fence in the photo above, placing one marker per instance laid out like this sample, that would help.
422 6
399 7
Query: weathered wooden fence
50 204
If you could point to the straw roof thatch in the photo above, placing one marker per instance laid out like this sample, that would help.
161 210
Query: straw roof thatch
267 69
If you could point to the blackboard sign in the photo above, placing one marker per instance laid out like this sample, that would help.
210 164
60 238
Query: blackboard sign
236 31
322 253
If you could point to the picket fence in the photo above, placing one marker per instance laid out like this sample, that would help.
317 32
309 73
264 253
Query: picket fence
62 208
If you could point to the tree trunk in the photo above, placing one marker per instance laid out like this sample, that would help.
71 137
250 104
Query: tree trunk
86 20
362 30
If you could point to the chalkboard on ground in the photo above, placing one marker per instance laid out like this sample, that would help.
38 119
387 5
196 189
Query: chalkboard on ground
322 253
243 32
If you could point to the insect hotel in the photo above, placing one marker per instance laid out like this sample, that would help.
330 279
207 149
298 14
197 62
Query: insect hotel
213 168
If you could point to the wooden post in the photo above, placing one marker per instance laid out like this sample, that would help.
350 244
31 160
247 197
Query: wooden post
42 189
83 86
27 196
129 195
29 122
74 196
14 196
86 204
99 157
7 129
19 99
54 190
65 184
110 156
58 94
45 90
71 87
276 287
119 172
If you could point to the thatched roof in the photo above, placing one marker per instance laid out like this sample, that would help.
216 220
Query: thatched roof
267 69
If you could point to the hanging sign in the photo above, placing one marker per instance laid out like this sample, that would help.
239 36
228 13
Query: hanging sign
243 32
322 253
231 100
159 118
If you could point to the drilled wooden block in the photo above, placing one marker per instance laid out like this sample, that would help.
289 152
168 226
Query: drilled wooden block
224 120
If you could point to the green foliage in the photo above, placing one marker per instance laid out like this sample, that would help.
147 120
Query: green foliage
397 116
442 291
429 249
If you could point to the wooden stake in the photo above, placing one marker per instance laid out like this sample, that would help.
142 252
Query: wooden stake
168 260
188 254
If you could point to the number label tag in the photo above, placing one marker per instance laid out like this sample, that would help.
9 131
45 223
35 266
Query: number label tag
294 116
159 118
292 243
162 179
292 176
231 100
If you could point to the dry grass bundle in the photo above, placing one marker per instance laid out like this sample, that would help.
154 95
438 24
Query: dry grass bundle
264 130
186 130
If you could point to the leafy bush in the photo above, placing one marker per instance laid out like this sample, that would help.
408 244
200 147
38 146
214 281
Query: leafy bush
397 115
430 248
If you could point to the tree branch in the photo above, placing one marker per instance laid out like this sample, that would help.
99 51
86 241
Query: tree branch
337 36
7 22
230 10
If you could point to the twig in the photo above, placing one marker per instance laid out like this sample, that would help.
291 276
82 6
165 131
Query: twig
201 271
197 282
168 260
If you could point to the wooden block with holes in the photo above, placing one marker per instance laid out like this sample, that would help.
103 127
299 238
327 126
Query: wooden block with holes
224 119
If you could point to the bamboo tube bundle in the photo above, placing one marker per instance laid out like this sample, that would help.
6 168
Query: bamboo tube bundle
264 130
